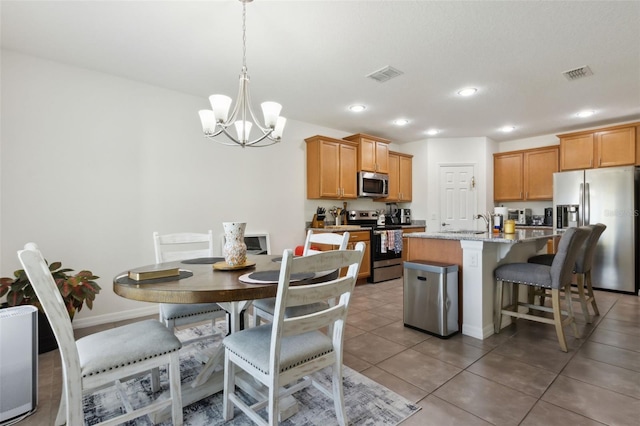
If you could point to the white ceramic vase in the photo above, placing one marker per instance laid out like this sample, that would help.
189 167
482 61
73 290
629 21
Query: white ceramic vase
234 250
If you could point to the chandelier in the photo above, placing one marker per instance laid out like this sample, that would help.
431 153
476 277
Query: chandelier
217 120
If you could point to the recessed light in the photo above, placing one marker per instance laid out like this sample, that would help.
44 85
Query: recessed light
585 113
357 108
432 132
508 129
467 91
401 122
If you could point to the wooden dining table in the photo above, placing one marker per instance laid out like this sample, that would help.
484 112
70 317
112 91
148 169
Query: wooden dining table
200 282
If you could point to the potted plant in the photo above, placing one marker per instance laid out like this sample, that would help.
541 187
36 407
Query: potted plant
76 290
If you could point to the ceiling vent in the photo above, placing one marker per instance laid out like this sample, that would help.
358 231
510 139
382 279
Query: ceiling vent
578 73
384 74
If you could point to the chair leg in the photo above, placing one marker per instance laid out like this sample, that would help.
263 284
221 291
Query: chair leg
175 389
61 417
570 314
229 387
155 379
583 300
338 394
557 318
497 309
590 294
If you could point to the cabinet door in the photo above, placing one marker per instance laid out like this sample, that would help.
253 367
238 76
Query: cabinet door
406 177
539 167
394 179
362 236
405 241
616 147
348 171
330 169
367 155
576 152
507 177
382 158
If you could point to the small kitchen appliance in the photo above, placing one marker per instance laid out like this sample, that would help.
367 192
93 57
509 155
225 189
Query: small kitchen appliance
524 217
405 216
548 216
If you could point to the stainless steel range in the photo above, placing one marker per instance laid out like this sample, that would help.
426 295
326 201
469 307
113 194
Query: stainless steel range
386 244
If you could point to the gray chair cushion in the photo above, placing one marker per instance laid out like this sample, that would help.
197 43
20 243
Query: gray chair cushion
525 273
103 351
269 306
252 345
172 311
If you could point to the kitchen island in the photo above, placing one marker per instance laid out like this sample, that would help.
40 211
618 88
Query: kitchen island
477 255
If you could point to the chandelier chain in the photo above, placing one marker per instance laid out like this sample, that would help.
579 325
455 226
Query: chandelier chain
244 36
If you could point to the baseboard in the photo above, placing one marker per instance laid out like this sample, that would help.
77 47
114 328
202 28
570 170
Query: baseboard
114 317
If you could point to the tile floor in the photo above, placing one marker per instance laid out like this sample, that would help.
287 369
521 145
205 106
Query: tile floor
519 377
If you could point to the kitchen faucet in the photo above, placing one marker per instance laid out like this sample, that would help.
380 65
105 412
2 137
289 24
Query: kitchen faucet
487 218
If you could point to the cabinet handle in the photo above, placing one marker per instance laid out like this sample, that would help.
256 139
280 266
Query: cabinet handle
591 162
600 161
520 194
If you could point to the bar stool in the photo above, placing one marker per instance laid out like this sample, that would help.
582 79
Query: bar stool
584 263
554 277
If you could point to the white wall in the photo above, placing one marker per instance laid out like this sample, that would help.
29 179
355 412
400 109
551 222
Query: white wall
92 164
430 154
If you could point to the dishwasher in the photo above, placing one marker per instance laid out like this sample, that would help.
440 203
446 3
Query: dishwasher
431 297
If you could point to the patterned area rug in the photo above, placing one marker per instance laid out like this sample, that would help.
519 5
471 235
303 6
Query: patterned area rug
367 402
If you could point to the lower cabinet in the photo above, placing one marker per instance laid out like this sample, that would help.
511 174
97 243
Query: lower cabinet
405 241
354 238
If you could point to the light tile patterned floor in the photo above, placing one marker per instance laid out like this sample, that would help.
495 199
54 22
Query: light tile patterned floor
517 377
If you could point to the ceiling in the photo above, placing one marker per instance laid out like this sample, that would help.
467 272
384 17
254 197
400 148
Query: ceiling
313 58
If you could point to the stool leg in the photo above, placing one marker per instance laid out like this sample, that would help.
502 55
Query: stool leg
583 300
570 315
497 309
590 293
557 318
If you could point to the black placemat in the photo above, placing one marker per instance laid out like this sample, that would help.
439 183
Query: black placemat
270 276
203 260
277 259
126 280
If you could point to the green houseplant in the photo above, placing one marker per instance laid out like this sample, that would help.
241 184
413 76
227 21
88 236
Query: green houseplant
76 291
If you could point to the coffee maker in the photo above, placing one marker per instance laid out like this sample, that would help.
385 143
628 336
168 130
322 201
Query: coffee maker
405 216
548 216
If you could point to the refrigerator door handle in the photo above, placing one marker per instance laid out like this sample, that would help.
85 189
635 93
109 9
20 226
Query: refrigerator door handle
587 204
581 205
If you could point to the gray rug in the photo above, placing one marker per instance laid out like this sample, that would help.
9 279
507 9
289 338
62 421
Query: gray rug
367 402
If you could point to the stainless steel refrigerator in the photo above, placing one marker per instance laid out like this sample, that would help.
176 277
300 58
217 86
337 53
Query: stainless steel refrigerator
610 196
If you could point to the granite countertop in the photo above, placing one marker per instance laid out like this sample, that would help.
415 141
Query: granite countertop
521 235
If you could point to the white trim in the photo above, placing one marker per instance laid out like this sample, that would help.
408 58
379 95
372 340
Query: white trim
115 316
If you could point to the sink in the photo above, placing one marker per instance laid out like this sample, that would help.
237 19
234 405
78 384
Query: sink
463 231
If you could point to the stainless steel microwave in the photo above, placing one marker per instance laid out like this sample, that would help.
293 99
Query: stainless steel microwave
374 185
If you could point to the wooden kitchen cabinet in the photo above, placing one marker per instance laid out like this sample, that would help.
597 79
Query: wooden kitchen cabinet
525 175
400 178
365 237
331 168
405 240
604 147
373 153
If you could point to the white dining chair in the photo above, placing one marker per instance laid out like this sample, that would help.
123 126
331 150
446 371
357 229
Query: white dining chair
283 354
185 246
104 358
264 308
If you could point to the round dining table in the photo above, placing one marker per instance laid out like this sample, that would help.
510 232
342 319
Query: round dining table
202 283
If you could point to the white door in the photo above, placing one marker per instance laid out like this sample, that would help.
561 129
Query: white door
457 197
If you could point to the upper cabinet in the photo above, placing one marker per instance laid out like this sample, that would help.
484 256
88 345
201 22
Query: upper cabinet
331 168
525 175
605 147
400 178
373 153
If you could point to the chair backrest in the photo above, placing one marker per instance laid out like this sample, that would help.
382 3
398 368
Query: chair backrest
182 246
584 261
340 288
564 261
325 238
54 308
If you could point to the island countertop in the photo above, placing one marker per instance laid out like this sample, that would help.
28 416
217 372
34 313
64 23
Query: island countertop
521 235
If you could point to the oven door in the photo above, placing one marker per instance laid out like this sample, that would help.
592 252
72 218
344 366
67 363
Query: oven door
386 262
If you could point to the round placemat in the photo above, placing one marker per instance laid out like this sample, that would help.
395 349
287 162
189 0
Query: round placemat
273 276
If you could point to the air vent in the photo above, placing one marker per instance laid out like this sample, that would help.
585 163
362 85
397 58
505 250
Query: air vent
384 74
578 73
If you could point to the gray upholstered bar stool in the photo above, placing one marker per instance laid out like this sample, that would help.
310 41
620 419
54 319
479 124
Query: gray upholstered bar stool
584 263
555 277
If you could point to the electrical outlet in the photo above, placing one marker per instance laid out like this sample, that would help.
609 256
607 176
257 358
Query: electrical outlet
473 260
